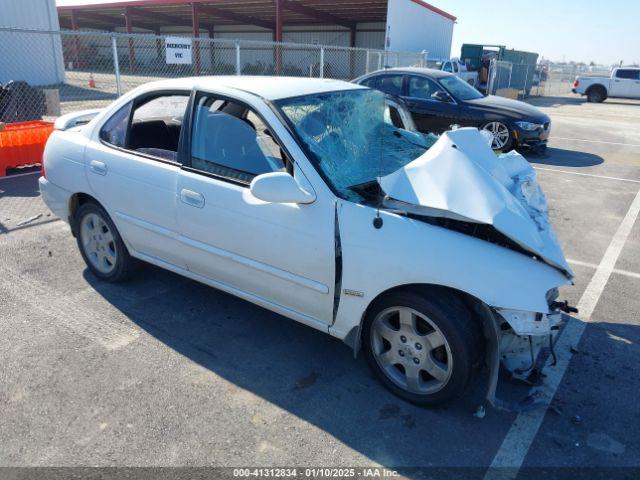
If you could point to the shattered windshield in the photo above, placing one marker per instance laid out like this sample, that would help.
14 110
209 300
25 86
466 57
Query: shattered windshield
353 136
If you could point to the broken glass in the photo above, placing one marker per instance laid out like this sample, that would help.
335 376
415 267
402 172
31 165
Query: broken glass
351 136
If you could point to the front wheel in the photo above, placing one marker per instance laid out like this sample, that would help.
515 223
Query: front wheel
100 244
501 138
421 346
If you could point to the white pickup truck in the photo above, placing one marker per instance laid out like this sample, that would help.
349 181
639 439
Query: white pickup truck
623 83
459 69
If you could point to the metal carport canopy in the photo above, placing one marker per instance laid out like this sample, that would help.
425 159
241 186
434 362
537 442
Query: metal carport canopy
268 14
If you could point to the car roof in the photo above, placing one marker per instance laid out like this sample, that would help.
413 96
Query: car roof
267 87
419 70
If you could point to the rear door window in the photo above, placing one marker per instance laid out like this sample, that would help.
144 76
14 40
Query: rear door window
391 84
370 82
156 125
148 125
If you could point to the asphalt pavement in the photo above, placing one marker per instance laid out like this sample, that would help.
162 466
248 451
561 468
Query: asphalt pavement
163 371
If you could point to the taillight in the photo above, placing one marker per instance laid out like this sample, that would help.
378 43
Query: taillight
576 83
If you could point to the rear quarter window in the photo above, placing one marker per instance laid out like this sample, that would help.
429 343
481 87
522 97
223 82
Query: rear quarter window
369 82
114 131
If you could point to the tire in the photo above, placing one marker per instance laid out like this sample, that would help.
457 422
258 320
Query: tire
448 344
502 137
100 244
596 95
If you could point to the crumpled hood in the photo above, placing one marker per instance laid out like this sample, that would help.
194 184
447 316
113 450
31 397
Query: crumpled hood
461 178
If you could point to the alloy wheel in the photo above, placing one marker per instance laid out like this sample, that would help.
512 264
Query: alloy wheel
98 243
411 350
499 133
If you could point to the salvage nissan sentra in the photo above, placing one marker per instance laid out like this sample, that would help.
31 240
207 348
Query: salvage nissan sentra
314 199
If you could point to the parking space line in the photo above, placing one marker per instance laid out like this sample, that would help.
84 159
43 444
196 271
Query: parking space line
511 454
618 271
596 141
604 177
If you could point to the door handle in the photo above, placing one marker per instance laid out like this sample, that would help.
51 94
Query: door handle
192 198
98 167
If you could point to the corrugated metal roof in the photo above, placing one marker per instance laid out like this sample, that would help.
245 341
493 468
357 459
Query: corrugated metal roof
159 13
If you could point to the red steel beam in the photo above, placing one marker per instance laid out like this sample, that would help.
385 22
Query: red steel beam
352 58
297 7
160 17
277 37
105 22
96 17
277 33
236 17
76 42
195 20
128 21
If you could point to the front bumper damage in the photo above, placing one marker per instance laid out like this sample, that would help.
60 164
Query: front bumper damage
460 184
524 354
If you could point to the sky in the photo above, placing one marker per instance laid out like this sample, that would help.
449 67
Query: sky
602 31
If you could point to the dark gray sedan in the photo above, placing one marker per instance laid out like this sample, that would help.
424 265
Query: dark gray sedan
439 99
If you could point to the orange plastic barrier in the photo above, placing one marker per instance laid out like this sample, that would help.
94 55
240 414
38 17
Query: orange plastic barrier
22 144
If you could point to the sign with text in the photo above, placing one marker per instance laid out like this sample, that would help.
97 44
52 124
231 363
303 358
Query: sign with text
178 50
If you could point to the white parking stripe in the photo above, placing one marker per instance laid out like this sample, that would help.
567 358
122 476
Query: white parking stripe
618 271
520 436
596 141
587 174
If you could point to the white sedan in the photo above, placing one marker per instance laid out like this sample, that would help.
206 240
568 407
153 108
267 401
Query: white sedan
316 199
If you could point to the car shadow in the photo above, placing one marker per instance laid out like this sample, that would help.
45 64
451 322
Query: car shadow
307 373
555 101
20 186
564 158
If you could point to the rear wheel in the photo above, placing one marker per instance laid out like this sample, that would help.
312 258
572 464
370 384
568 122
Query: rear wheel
501 138
421 346
596 94
100 244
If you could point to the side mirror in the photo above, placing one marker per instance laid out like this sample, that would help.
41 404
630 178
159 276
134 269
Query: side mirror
279 187
441 96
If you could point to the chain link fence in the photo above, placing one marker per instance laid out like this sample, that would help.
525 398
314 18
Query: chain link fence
520 81
49 73
512 80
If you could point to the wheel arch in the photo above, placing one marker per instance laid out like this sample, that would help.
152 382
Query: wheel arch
597 86
75 202
476 307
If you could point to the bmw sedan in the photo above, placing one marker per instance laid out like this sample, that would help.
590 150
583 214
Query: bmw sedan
303 196
439 99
